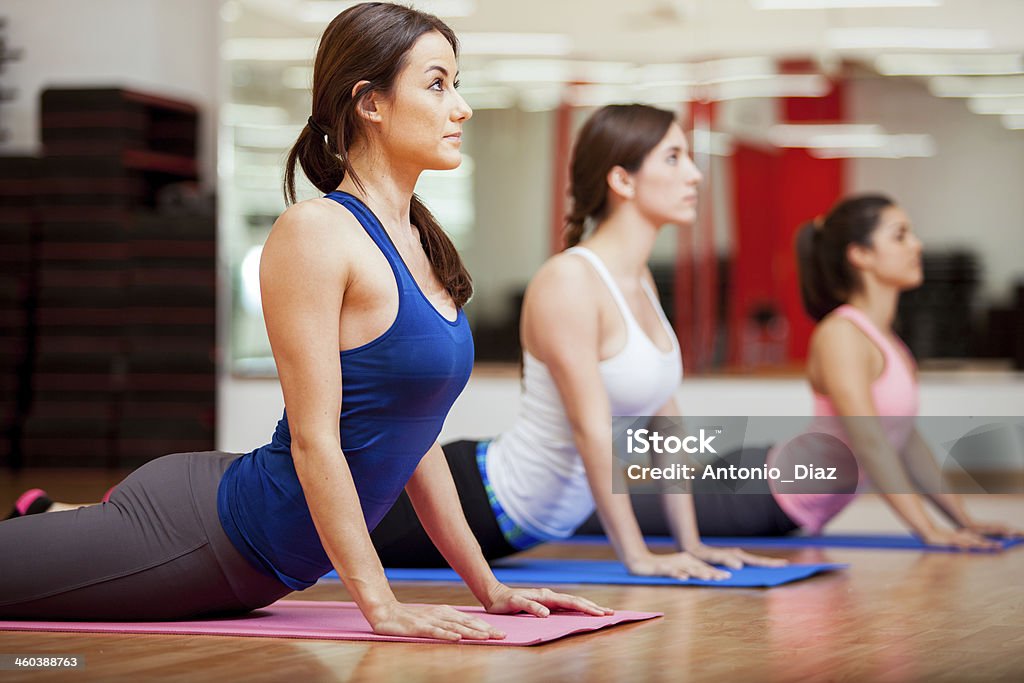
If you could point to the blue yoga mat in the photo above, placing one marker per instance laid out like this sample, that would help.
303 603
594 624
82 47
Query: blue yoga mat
542 571
874 541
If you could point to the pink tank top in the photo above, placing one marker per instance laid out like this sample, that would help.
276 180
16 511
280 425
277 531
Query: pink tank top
895 396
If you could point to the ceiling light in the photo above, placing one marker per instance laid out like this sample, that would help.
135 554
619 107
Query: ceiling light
925 64
1013 121
734 69
542 44
840 4
881 147
597 95
782 85
268 49
996 105
825 134
978 86
559 71
323 11
892 37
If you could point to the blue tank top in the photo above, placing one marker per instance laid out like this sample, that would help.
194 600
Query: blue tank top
396 393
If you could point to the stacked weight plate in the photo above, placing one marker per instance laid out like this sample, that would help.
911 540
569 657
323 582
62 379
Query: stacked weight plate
170 381
19 179
108 154
936 320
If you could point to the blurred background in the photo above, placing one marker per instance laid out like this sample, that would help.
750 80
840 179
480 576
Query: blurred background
142 155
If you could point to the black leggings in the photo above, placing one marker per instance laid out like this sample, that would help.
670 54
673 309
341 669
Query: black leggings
155 551
401 541
719 512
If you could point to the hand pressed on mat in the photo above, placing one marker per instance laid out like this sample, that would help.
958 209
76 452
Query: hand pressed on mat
539 602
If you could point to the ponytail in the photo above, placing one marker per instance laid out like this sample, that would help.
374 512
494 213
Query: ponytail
575 225
313 152
441 253
815 290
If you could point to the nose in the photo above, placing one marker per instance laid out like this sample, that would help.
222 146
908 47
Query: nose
462 111
694 176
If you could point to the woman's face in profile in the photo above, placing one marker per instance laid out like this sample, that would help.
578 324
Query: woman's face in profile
422 118
666 183
896 250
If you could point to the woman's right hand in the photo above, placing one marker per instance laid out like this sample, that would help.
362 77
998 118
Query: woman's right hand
960 539
430 621
675 565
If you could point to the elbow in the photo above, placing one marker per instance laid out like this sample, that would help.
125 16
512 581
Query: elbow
311 445
592 435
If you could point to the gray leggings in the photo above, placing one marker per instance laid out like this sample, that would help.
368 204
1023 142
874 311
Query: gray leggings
155 551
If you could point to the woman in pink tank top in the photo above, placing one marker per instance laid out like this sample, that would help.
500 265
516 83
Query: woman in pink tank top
854 264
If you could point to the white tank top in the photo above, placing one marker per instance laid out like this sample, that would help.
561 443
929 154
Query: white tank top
534 469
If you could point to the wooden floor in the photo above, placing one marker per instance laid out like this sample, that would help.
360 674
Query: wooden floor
892 616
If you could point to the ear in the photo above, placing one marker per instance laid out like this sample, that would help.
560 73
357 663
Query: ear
367 106
859 256
620 181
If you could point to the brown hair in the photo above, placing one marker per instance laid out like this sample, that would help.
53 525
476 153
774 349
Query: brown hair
615 135
368 42
827 278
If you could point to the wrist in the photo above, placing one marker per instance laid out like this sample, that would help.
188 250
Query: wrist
488 597
374 599
636 556
690 545
964 521
378 609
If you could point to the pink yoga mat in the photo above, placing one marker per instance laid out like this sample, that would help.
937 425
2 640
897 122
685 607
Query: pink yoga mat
338 621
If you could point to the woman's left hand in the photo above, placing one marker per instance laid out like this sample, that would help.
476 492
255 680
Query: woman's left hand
539 602
997 529
734 558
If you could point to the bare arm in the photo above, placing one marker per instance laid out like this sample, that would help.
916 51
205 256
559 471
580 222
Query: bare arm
436 501
561 329
682 520
304 272
928 476
843 358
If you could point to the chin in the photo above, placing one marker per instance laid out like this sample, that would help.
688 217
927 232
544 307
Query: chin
685 218
913 282
446 163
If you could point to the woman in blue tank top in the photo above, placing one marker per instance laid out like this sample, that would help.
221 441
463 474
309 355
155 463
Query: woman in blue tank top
362 294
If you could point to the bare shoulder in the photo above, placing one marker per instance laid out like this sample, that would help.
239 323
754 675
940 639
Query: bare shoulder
565 275
836 340
317 218
314 234
560 310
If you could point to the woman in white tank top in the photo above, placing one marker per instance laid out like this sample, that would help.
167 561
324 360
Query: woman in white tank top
596 345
